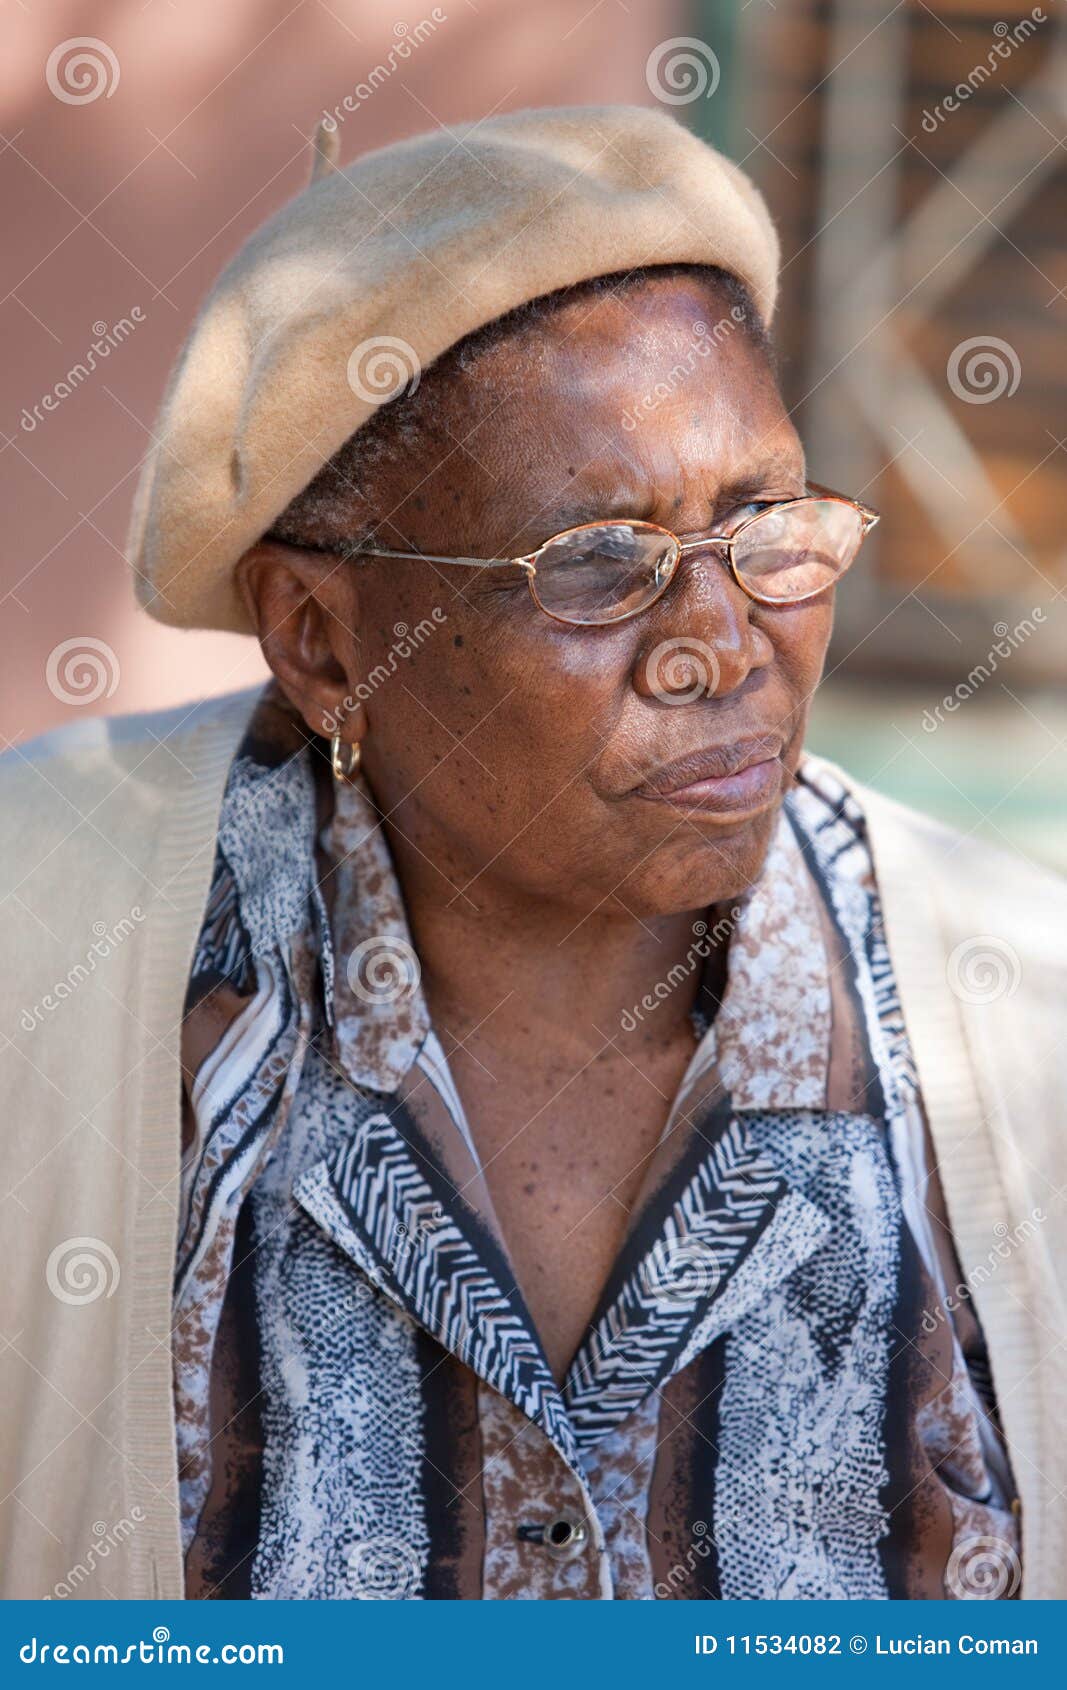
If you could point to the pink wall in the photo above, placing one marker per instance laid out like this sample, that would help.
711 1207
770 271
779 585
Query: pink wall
118 210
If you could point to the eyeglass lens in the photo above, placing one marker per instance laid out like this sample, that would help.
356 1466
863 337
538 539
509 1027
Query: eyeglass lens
602 573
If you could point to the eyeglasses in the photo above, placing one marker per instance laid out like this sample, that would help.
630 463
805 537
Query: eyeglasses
606 572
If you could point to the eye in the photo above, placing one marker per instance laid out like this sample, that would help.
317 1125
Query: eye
489 583
741 513
753 507
499 589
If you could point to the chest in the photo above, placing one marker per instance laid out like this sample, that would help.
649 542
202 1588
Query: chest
565 1148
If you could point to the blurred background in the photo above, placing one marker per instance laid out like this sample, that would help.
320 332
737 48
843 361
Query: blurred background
912 154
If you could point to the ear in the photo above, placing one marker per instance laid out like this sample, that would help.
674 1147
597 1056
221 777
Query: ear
305 608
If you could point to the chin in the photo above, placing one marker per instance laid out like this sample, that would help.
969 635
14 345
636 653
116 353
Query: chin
701 864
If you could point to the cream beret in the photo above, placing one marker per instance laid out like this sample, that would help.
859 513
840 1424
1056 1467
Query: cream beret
375 270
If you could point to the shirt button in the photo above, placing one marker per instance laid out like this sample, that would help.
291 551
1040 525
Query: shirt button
563 1537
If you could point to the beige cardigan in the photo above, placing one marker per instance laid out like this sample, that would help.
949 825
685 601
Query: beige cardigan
107 835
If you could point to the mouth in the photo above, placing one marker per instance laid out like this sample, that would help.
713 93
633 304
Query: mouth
735 780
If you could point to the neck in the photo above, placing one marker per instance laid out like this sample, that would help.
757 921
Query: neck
518 967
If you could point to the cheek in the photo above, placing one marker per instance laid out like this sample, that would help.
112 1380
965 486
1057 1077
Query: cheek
514 706
800 637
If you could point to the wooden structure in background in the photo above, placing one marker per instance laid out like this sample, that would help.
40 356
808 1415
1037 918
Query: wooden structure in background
914 157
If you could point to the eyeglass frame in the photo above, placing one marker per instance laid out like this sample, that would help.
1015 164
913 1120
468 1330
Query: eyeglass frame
814 492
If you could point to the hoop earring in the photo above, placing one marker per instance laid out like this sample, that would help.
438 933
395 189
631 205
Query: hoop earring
344 759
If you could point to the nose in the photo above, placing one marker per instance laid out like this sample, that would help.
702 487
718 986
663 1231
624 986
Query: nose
700 640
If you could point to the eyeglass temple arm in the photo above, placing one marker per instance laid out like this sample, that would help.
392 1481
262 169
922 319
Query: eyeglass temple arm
436 557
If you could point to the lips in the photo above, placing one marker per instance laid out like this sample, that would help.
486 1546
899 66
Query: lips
743 776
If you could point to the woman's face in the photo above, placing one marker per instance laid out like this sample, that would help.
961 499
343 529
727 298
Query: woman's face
519 756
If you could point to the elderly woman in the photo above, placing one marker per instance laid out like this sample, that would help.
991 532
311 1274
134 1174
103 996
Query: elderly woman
528 1130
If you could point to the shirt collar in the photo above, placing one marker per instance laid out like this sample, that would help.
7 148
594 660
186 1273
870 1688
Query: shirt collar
379 1012
769 1041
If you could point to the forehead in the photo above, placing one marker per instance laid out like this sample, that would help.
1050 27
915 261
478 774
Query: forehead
658 380
653 401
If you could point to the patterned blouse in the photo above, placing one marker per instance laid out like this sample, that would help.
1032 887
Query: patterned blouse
772 1399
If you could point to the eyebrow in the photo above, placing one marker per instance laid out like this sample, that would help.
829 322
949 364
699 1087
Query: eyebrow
575 512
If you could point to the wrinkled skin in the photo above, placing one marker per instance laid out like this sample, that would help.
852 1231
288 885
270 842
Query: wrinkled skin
544 894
